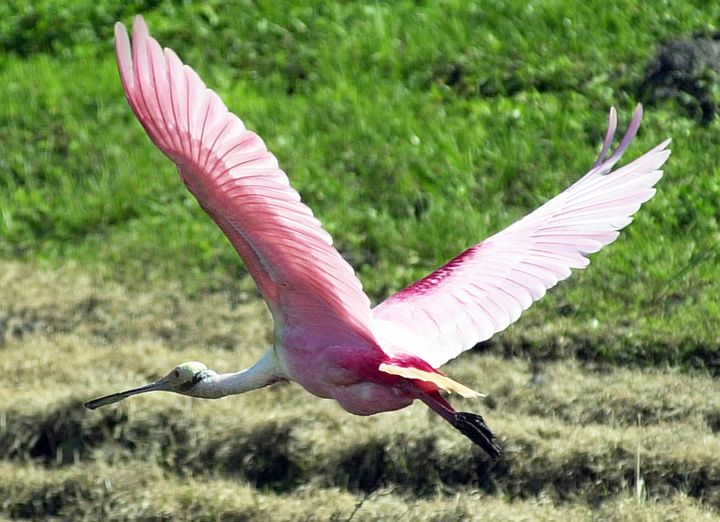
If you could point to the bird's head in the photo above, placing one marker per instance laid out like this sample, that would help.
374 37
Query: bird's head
182 379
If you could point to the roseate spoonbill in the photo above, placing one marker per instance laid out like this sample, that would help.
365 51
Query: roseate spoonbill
327 337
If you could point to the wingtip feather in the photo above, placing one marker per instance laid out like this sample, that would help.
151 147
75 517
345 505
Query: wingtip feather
609 135
123 55
140 28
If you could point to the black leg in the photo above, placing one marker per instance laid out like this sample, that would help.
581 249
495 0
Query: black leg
473 427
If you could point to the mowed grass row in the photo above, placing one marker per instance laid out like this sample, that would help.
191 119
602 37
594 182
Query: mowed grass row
412 131
571 431
139 491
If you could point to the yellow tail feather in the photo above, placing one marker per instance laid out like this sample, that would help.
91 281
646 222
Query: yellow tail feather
442 382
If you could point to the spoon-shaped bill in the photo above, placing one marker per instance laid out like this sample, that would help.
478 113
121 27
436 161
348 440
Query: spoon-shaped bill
117 397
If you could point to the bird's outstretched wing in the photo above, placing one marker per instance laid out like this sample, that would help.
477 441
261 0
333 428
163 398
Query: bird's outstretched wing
487 287
239 184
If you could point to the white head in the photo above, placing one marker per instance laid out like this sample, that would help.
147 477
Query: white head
182 379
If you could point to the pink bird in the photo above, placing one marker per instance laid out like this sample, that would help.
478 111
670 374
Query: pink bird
327 338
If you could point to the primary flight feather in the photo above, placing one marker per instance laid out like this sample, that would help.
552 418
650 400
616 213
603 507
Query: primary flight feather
327 338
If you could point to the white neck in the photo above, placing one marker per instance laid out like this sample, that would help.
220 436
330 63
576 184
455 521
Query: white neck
262 373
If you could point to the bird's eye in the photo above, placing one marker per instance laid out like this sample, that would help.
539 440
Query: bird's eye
177 373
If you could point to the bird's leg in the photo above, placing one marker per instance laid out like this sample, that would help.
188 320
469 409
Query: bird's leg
473 427
469 424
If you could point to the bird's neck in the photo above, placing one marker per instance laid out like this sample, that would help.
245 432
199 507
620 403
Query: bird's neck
262 373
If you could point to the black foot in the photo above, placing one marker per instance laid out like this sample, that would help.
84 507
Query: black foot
473 427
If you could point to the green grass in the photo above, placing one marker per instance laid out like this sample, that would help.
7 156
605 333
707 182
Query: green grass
412 131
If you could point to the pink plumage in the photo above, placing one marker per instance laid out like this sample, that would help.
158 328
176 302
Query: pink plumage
327 338
239 184
486 288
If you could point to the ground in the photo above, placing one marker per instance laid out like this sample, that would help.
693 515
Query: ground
577 435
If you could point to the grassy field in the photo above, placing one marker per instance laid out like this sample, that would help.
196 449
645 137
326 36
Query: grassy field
413 129
573 432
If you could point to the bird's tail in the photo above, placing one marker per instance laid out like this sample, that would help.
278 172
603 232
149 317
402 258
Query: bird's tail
437 379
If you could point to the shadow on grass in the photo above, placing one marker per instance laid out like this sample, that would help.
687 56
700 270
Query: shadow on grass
270 457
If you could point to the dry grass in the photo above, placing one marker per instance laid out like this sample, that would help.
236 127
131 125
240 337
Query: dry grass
138 491
570 430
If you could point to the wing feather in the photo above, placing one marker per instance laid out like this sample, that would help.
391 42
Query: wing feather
228 168
496 280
